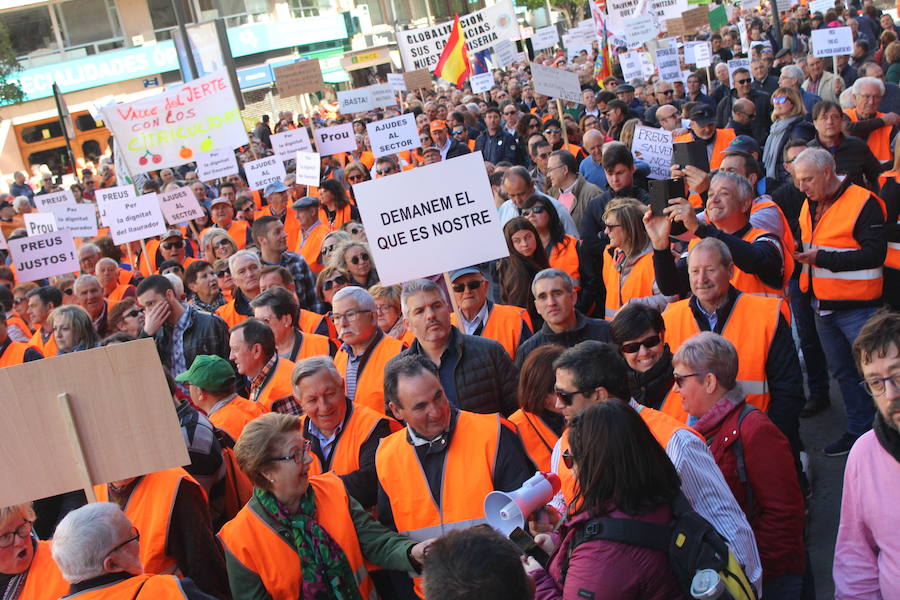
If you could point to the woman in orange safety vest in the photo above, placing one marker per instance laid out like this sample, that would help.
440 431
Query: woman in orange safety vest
538 420
562 249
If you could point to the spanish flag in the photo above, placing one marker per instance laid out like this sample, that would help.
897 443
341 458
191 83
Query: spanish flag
453 65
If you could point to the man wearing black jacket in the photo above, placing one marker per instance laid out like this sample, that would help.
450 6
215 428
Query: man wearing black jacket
742 89
496 145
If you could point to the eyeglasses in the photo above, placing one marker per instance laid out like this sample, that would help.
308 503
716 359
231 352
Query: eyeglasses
135 537
356 177
359 258
679 379
553 130
297 456
611 226
458 132
339 280
223 243
172 245
534 210
384 172
134 313
566 397
877 387
471 286
666 92
779 99
222 273
568 459
355 230
350 315
742 81
23 531
68 291
648 343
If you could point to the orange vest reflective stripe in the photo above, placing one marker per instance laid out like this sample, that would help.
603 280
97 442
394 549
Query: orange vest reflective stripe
357 429
879 141
230 315
47 348
278 387
139 587
313 345
341 216
638 284
564 256
504 326
291 224
892 260
751 327
233 416
537 438
44 580
260 549
468 477
14 354
310 246
788 243
370 383
723 138
834 232
118 293
237 230
150 509
748 282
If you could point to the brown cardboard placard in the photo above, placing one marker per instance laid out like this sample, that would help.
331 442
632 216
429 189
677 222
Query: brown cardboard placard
303 77
675 27
122 411
694 19
420 78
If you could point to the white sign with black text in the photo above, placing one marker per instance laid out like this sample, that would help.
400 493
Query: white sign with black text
216 164
668 64
545 37
833 41
46 202
397 82
308 168
393 135
38 223
264 171
632 67
287 143
179 206
653 146
483 82
138 219
335 139
505 53
556 83
41 256
108 195
80 219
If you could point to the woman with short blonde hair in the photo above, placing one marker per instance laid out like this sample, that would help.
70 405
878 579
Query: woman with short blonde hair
27 569
788 122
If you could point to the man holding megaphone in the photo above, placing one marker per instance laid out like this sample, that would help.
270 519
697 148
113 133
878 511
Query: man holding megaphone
433 474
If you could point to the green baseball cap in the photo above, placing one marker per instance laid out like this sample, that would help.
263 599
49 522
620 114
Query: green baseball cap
208 372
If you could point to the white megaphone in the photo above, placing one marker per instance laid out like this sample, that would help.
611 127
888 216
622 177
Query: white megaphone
506 511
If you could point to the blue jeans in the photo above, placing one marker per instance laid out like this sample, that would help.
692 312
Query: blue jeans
786 587
813 355
837 331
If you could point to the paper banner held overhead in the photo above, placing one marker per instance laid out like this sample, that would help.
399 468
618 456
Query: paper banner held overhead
301 77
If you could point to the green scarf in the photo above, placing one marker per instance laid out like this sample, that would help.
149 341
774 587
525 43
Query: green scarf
326 573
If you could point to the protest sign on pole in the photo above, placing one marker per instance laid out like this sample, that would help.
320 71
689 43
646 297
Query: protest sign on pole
172 128
817 6
134 220
264 171
668 64
106 196
355 101
631 65
617 13
397 82
382 95
335 139
640 29
545 37
418 79
483 82
505 53
833 41
393 135
38 223
179 206
301 77
735 64
46 202
444 212
42 256
287 143
556 83
216 164
125 421
745 37
80 219
308 168
653 146
703 55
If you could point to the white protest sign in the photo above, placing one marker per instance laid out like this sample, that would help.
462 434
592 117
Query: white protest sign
106 196
545 37
555 83
690 56
421 48
734 65
354 101
382 95
216 164
483 82
749 5
668 64
39 223
703 55
663 10
179 206
133 220
264 171
41 256
631 65
287 143
505 53
393 135
80 219
819 6
46 202
834 41
336 139
431 219
745 37
575 46
640 29
397 82
308 168
653 146
172 128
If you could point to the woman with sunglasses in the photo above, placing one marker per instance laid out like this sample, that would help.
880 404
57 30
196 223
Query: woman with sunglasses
27 570
218 244
328 283
354 258
639 332
335 208
331 241
788 122
355 173
223 276
356 231
302 536
539 422
126 317
562 249
622 473
515 273
553 133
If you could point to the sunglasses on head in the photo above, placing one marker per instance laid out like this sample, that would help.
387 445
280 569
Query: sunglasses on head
537 210
339 280
172 245
632 347
360 257
471 286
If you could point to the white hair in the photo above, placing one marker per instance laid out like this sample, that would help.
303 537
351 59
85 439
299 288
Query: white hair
819 157
89 248
551 273
85 280
863 81
793 72
248 254
21 202
106 261
312 366
177 284
847 100
84 538
709 352
363 298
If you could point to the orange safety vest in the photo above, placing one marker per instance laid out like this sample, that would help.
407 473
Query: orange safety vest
370 383
150 509
834 232
365 157
118 293
311 322
14 354
468 477
310 246
504 326
235 415
278 387
564 256
537 438
313 344
125 276
751 327
230 315
139 587
788 243
892 260
237 230
44 580
357 429
16 319
47 348
260 549
748 282
151 246
879 141
340 217
638 284
291 224
723 138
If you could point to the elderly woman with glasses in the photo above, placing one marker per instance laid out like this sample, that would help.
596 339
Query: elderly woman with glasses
329 282
302 536
354 258
388 311
27 570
